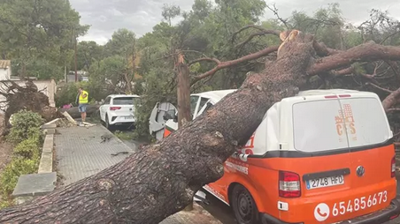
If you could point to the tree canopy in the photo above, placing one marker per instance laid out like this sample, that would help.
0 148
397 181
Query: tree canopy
38 35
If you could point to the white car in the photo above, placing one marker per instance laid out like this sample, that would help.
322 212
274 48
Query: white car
118 110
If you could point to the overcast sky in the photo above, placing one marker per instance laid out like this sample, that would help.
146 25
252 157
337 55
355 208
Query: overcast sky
106 16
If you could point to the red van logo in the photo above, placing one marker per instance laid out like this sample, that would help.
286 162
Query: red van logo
347 121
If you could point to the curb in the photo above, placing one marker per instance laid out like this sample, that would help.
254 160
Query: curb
46 160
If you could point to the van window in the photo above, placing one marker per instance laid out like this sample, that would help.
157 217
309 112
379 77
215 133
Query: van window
333 124
193 103
203 101
314 126
366 121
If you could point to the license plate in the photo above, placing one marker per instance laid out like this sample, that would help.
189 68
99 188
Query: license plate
325 182
127 118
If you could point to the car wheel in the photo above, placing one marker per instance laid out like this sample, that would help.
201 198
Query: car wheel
108 125
244 207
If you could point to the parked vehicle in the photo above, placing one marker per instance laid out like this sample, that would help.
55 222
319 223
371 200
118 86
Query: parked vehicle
323 156
118 110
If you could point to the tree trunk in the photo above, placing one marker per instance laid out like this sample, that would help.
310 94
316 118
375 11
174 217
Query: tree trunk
74 112
183 95
161 179
128 81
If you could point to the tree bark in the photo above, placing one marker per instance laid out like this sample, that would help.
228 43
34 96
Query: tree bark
128 81
183 95
161 179
74 112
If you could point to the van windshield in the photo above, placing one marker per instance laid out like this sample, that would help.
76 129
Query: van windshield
332 124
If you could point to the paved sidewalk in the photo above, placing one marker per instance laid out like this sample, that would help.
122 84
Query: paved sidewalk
197 216
80 154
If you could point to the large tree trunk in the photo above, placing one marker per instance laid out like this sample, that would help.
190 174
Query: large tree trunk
183 95
74 111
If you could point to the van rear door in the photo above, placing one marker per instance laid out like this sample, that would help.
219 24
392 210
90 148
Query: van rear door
316 132
372 154
334 135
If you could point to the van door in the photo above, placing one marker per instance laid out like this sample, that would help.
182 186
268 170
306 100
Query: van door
368 133
159 116
317 134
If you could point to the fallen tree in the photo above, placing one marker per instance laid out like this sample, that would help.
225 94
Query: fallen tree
27 97
74 111
161 179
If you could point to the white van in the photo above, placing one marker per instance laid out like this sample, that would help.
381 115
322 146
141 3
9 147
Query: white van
322 156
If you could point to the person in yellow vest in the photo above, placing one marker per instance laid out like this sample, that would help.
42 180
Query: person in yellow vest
83 100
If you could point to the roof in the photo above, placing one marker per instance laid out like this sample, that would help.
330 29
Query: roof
219 94
122 95
325 92
5 64
216 95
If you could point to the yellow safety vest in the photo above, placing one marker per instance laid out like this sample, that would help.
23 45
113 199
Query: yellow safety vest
83 100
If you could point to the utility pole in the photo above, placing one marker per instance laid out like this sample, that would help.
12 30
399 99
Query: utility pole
76 71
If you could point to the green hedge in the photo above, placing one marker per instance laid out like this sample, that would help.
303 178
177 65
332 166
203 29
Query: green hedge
28 138
25 124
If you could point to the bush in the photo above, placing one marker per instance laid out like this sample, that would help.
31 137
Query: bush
26 133
17 167
26 124
28 149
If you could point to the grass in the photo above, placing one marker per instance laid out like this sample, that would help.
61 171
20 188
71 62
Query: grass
124 135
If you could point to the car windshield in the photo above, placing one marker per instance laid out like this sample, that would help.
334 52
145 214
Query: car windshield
123 100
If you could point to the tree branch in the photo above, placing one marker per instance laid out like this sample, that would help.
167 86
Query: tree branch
227 64
263 31
322 50
275 11
369 51
345 71
391 100
205 59
380 88
395 68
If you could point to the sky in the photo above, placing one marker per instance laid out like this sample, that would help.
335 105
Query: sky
107 16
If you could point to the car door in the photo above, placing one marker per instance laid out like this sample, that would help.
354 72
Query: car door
205 104
104 108
159 115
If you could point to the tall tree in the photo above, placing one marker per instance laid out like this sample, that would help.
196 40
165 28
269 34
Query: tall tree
32 30
123 44
87 53
169 12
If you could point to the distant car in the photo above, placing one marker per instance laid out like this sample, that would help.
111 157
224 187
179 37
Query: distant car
118 110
